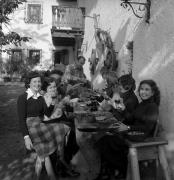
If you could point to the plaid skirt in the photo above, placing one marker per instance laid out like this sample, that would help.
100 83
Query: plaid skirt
46 137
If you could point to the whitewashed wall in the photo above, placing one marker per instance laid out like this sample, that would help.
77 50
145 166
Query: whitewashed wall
154 58
40 33
153 49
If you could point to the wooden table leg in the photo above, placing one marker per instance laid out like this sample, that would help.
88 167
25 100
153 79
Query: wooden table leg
135 174
164 163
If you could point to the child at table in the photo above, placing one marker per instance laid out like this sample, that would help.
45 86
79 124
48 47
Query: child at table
123 101
122 105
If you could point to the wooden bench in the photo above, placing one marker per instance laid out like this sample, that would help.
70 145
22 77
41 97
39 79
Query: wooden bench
150 149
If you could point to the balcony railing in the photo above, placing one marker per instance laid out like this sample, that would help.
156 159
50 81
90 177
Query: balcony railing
67 18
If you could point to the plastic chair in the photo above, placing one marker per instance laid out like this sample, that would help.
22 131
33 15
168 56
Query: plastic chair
150 149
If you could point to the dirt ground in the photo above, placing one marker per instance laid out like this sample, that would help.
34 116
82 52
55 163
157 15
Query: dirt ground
15 164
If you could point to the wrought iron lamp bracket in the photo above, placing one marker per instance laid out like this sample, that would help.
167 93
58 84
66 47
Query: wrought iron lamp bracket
129 3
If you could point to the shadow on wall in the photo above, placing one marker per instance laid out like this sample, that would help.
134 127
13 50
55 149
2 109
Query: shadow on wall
91 5
35 36
120 37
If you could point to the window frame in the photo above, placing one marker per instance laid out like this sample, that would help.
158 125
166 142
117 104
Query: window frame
12 54
28 19
28 57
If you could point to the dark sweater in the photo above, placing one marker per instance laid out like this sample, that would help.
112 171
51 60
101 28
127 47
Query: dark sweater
31 108
131 102
145 117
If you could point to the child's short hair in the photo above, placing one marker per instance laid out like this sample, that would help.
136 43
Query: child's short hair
127 81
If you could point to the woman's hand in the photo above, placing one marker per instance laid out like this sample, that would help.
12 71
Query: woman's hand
28 143
122 127
120 107
117 104
66 99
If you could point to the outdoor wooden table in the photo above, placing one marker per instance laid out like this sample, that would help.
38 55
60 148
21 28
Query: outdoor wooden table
90 127
88 121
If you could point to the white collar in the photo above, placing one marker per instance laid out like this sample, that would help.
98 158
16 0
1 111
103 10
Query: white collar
31 94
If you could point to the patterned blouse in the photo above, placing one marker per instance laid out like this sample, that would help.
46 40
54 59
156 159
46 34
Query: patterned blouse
72 74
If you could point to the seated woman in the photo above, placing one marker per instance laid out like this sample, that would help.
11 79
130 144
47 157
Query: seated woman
113 148
43 138
59 116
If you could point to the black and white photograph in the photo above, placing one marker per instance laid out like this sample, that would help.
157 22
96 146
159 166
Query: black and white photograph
86 90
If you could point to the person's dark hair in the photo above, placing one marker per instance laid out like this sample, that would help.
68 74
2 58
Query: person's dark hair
56 71
46 73
127 81
47 81
154 88
79 57
31 75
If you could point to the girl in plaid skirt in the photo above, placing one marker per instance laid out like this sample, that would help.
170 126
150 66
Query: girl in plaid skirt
32 107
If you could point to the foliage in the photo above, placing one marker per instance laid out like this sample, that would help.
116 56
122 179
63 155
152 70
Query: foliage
7 7
17 67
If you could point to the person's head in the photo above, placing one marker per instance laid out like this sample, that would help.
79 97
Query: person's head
49 86
56 74
46 73
126 83
148 89
33 81
80 61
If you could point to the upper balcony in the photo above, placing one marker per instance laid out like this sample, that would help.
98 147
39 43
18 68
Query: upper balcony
68 18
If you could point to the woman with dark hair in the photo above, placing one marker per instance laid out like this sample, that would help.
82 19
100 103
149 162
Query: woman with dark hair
59 116
32 107
146 114
114 149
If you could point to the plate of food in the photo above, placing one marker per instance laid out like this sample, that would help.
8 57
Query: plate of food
102 113
87 128
100 118
74 100
96 129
